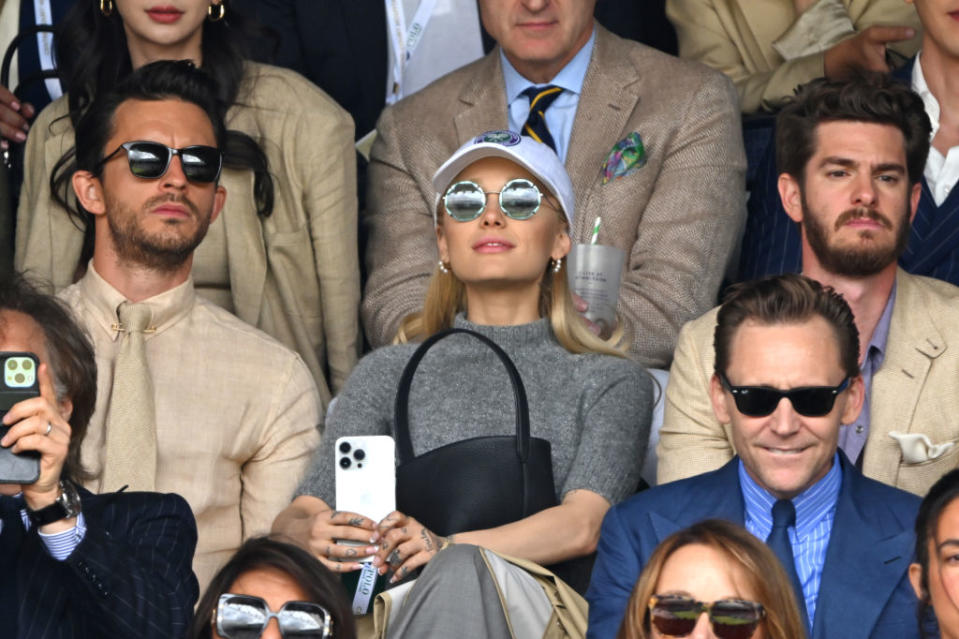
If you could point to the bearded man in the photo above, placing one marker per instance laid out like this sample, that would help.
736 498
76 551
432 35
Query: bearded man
190 399
851 157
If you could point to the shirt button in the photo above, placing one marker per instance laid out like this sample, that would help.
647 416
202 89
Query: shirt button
859 429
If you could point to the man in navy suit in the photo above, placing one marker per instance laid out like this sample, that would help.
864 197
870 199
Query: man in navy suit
74 564
786 376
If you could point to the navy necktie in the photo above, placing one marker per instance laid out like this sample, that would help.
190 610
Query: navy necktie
540 98
784 516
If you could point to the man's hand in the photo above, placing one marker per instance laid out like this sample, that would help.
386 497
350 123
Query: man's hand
36 424
328 526
13 118
405 545
866 50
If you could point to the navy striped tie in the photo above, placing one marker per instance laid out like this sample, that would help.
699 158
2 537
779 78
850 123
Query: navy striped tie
784 516
540 98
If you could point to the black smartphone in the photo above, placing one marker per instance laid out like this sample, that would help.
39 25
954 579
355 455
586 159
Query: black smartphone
18 381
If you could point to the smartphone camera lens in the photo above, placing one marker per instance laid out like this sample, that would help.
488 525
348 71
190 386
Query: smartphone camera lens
345 462
345 447
359 454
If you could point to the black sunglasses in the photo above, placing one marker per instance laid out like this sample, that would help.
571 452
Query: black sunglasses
246 617
759 401
150 160
676 616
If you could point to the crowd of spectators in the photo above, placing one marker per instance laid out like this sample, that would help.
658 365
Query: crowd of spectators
237 235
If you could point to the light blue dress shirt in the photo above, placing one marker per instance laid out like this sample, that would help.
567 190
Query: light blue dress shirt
809 538
560 115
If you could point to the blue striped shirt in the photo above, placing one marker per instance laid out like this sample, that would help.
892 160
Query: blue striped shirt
809 538
60 544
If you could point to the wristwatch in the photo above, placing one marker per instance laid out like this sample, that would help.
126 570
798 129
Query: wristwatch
66 506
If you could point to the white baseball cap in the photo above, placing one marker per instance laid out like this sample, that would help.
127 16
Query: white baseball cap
535 157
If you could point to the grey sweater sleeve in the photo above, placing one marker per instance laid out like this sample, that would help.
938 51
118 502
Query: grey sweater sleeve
616 406
364 407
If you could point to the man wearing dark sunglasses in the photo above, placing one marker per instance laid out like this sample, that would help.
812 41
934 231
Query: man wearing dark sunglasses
786 377
193 400
851 160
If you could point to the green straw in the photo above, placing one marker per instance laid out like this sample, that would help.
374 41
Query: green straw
595 231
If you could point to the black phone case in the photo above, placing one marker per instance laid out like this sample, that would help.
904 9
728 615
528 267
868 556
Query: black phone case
22 468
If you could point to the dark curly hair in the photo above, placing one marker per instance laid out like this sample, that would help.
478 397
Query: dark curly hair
867 97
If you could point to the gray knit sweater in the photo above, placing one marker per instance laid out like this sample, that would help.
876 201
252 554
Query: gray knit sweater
594 409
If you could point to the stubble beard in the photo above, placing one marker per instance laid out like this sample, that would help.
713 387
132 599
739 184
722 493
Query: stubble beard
164 253
861 261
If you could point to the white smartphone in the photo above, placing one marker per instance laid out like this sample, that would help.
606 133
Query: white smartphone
365 477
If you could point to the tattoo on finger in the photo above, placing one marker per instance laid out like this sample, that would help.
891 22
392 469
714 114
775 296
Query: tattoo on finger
351 552
393 558
356 521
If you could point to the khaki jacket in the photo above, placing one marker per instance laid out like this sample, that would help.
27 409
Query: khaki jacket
295 274
916 390
737 38
677 218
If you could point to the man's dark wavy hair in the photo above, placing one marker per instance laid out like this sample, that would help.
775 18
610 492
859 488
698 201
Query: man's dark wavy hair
72 361
867 97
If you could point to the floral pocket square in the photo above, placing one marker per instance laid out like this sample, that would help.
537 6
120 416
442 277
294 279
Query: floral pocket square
627 156
917 448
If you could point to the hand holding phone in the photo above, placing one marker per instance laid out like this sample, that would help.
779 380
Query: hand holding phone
33 424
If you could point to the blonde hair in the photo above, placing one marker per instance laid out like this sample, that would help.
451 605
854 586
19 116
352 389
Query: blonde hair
446 296
765 574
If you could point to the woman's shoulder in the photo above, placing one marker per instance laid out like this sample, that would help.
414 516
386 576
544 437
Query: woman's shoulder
277 89
383 365
52 121
608 369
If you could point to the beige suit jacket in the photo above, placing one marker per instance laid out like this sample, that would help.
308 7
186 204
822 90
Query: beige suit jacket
677 218
295 274
916 390
737 36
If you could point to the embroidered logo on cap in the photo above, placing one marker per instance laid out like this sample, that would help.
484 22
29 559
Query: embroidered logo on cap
504 138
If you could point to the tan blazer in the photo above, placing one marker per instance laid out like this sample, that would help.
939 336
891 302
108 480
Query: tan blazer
916 390
737 37
295 274
677 218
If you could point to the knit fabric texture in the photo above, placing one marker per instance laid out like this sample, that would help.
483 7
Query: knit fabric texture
593 409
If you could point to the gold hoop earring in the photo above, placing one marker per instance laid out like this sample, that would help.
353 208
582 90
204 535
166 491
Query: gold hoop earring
221 11
106 8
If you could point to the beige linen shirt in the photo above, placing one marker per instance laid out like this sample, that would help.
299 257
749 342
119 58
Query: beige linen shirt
236 412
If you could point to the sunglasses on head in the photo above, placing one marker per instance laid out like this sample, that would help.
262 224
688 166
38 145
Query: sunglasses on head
759 401
151 160
676 616
246 617
519 199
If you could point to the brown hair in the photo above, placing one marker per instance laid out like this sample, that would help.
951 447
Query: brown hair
868 97
766 577
786 299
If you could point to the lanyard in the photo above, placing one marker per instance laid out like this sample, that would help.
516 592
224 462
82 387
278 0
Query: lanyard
404 40
44 16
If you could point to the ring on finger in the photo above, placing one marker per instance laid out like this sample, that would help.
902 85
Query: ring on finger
49 428
393 558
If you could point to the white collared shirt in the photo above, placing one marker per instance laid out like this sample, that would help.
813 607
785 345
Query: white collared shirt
941 172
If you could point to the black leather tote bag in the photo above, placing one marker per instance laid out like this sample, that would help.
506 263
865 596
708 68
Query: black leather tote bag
475 483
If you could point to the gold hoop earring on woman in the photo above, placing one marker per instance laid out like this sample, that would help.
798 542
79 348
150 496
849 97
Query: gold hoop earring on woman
106 8
217 14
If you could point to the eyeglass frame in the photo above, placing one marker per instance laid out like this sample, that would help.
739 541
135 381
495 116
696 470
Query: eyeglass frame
736 392
327 629
757 607
543 196
171 151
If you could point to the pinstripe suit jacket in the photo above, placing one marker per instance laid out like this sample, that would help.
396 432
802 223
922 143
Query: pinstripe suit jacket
129 577
771 242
